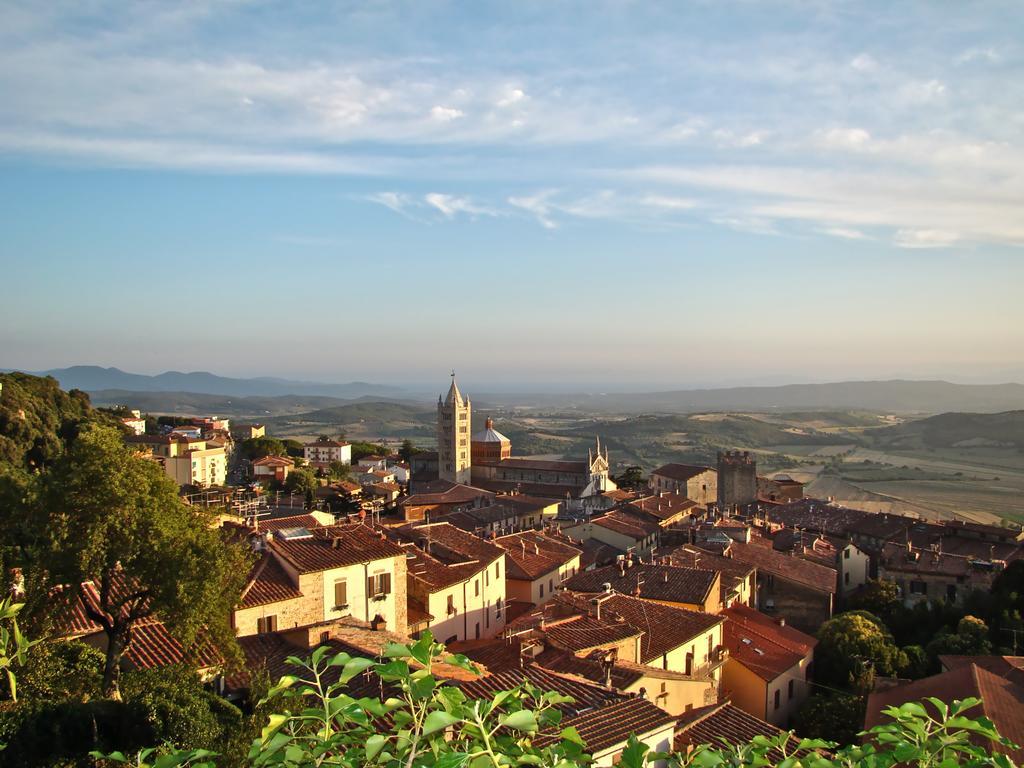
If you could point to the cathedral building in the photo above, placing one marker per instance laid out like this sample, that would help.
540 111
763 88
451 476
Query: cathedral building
454 417
490 445
485 460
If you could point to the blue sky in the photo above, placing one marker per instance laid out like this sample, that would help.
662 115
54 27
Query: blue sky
595 194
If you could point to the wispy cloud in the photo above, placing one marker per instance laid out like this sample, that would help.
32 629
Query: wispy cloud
925 238
453 205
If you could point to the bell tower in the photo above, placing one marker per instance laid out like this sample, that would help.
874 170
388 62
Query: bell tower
454 417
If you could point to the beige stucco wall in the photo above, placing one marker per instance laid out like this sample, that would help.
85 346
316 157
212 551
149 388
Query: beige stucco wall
854 568
471 609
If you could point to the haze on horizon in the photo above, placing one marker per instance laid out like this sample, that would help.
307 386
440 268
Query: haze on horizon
635 196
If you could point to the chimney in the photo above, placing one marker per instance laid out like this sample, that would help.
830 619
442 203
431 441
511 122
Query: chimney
664 577
595 608
782 621
607 588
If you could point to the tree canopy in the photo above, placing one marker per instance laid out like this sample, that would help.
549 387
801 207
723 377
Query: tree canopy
852 646
115 519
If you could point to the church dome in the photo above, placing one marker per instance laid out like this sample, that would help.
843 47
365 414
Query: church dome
489 434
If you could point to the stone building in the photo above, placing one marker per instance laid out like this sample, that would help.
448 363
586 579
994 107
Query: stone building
697 483
454 416
737 479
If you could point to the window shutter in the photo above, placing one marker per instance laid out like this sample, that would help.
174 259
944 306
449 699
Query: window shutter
369 586
386 579
340 592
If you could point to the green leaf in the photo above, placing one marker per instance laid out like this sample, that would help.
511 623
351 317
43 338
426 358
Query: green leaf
374 745
523 720
437 721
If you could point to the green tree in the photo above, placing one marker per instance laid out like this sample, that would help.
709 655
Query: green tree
833 716
854 646
114 519
407 450
37 419
631 477
918 663
300 481
62 669
970 639
339 470
294 448
878 597
258 447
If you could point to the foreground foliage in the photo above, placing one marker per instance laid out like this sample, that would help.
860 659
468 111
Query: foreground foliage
423 724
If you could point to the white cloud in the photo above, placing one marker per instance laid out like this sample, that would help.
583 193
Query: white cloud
925 238
668 203
977 54
396 201
511 97
846 233
923 92
538 206
863 62
452 205
727 138
445 114
845 138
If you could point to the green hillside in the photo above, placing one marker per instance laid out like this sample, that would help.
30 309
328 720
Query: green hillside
961 430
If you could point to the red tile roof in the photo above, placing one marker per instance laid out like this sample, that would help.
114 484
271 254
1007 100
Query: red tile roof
628 524
681 472
444 492
273 461
586 696
666 507
335 546
656 582
530 554
665 627
268 583
760 554
1010 667
582 633
761 645
1002 700
153 646
612 725
725 725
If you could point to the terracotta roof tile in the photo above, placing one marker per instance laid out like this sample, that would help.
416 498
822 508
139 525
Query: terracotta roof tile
530 554
761 645
760 554
656 582
681 472
725 725
628 524
268 583
1002 700
613 724
586 696
335 547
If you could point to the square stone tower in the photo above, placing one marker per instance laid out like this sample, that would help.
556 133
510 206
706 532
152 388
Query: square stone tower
454 417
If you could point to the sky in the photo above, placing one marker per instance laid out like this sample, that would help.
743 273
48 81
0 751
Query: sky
595 195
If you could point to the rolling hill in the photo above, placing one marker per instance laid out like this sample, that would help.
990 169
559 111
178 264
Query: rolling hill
957 430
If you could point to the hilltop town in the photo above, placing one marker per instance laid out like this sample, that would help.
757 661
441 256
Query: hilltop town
699 604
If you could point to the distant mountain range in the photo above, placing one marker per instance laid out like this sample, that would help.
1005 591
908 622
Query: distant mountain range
93 378
898 396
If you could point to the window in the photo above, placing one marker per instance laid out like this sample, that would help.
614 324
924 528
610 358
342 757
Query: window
846 554
711 640
551 585
497 570
918 588
478 630
778 699
476 588
340 594
487 615
378 586
266 624
791 689
497 609
542 590
451 604
487 578
846 578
